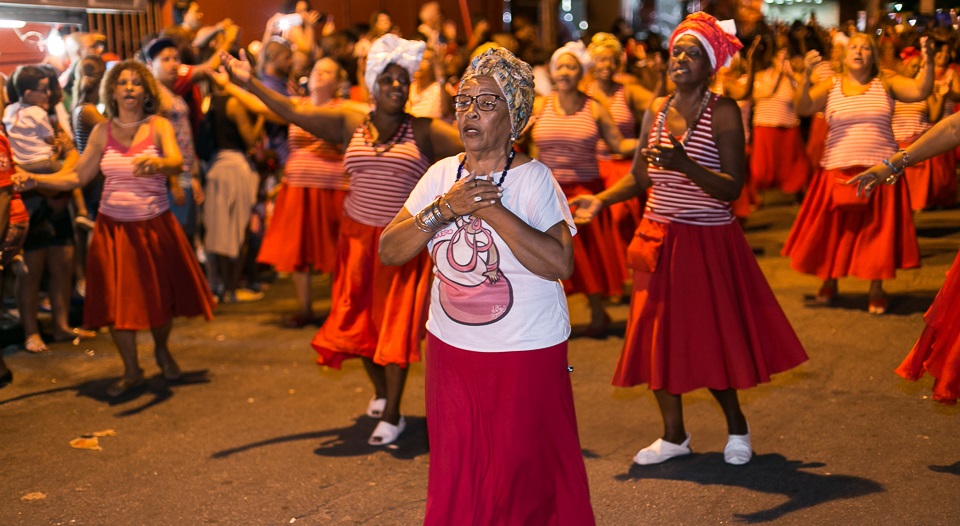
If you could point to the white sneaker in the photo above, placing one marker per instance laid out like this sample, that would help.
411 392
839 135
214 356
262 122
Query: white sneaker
661 451
738 450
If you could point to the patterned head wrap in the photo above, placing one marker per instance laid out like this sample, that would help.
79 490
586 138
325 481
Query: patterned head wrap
717 37
391 49
576 49
515 78
602 41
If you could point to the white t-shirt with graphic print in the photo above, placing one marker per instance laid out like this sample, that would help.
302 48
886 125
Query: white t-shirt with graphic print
483 299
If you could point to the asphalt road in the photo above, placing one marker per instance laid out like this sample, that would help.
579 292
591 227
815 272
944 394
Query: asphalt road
258 434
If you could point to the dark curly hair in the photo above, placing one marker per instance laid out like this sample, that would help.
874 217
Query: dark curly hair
151 101
89 75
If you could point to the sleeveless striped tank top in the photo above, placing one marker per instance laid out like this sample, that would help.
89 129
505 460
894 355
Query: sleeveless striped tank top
674 198
622 116
777 110
313 162
910 119
859 129
380 181
568 143
946 78
127 197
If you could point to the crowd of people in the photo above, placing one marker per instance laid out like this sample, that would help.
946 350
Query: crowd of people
458 191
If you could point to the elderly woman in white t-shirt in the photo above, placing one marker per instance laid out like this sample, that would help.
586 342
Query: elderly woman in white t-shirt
500 414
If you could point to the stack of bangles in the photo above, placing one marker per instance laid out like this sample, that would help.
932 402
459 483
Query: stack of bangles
904 162
431 219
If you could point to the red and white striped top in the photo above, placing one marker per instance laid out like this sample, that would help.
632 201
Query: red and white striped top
945 79
568 143
777 110
910 119
381 182
859 130
623 117
313 162
127 197
674 198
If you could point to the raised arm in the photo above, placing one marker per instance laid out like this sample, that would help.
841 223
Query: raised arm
250 129
811 97
906 89
332 125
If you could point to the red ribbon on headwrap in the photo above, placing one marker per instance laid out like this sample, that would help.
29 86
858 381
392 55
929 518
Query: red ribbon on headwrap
721 45
908 53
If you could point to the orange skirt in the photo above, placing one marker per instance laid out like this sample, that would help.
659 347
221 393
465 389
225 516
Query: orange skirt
624 216
870 242
706 316
937 352
370 300
595 265
302 234
142 274
778 159
932 182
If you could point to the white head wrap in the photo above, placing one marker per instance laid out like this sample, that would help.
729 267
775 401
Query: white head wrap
579 52
391 49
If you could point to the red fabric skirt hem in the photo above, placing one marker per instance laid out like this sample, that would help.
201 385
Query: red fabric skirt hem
378 311
937 351
932 182
142 274
870 242
594 250
302 235
706 317
778 159
503 439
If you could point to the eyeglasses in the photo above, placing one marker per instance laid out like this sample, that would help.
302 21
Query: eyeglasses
485 101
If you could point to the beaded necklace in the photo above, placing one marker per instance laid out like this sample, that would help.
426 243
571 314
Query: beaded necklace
707 95
503 175
383 147
131 124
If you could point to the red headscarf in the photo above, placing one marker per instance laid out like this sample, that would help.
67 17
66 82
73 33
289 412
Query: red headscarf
718 37
908 53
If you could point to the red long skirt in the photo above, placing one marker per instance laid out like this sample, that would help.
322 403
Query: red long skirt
504 448
142 274
303 233
937 352
932 182
742 205
706 317
595 267
870 242
778 159
371 300
624 216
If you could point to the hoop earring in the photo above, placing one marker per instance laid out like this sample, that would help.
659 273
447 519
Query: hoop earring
148 105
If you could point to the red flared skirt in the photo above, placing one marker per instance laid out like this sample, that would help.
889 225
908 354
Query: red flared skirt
742 205
142 274
932 182
303 233
817 140
378 311
868 242
595 267
706 317
778 159
504 448
937 352
624 216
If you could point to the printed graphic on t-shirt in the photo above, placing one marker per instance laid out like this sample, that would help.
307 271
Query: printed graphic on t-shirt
473 290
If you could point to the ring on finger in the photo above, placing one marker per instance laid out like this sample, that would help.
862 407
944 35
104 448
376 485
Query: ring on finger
477 199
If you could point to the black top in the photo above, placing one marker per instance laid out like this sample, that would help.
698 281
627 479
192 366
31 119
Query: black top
226 135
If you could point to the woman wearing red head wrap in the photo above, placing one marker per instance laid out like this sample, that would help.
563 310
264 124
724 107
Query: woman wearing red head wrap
702 314
837 234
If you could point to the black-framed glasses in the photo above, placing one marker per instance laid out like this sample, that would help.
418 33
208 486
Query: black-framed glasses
485 101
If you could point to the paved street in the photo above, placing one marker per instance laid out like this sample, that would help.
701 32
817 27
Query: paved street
257 434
